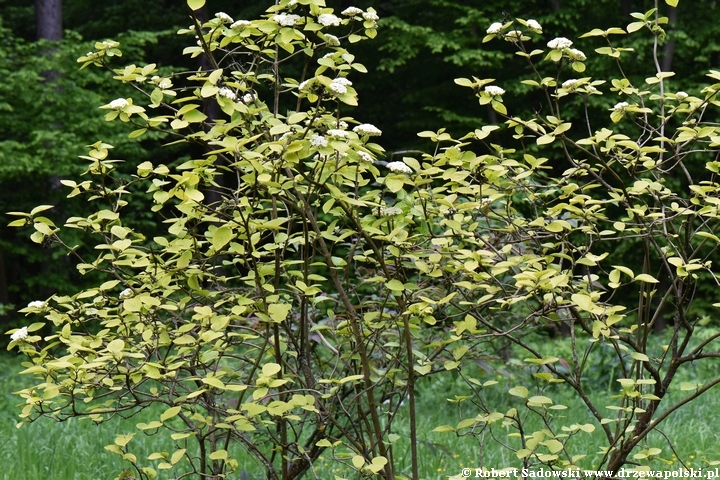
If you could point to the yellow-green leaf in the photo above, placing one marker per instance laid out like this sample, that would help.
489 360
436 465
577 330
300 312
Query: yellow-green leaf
195 4
169 413
519 391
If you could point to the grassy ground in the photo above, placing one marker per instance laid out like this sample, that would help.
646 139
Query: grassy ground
74 450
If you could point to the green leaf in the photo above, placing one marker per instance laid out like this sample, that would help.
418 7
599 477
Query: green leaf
195 4
443 429
395 285
519 391
641 357
221 237
644 277
279 311
170 413
672 3
270 369
116 346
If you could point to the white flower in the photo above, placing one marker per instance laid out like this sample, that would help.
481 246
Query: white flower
576 55
37 304
286 20
513 36
328 19
332 40
494 90
224 17
560 43
399 167
621 106
681 96
570 84
155 79
495 28
127 293
367 129
534 26
240 24
318 141
365 157
248 98
338 88
334 132
227 93
591 89
20 334
119 104
342 125
370 16
390 211
351 11
339 85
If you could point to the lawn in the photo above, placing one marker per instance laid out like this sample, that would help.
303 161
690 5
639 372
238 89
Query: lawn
74 450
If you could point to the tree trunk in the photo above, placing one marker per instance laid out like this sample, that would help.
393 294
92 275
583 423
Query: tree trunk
669 48
48 20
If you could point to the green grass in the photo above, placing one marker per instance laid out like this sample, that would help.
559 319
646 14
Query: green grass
74 449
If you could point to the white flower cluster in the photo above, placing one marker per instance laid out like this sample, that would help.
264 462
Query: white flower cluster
248 98
367 129
513 36
560 43
227 93
390 211
351 11
119 104
534 26
365 157
494 90
127 293
681 96
370 16
37 304
240 24
328 20
576 55
337 133
399 167
570 84
332 40
342 125
620 107
285 19
339 85
495 28
20 334
224 17
318 141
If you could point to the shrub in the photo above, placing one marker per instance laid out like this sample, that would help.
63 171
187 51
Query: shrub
303 286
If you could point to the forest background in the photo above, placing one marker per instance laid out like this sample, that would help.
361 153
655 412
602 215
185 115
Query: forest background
49 109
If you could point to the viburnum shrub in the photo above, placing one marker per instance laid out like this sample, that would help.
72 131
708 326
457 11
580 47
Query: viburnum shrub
303 287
